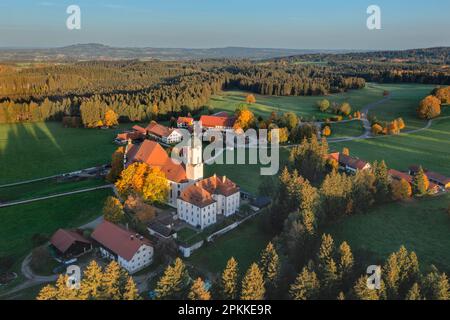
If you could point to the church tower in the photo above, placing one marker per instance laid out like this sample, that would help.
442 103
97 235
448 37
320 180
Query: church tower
194 163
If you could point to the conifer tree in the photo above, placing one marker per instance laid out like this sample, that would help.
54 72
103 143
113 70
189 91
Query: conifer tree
198 291
362 292
380 170
270 265
253 284
414 293
90 287
420 183
230 280
328 272
435 285
111 282
131 291
172 282
346 261
306 286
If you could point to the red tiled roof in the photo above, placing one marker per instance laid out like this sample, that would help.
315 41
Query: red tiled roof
432 175
64 239
185 120
200 193
151 153
130 135
120 241
352 162
400 175
197 196
334 156
219 185
139 129
215 121
158 129
438 177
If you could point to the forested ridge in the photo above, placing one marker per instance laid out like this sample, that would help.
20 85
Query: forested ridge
132 88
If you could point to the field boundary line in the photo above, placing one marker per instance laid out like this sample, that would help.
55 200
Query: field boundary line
10 204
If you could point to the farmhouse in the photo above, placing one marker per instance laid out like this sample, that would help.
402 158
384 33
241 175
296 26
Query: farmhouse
201 203
69 244
163 133
185 122
131 251
434 177
397 175
178 176
349 164
217 122
137 133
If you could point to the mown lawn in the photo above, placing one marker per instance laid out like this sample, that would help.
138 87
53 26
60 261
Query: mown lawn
405 99
45 188
421 225
35 150
244 243
346 129
20 223
305 107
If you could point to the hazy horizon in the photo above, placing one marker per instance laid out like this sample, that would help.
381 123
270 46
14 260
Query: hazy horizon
203 24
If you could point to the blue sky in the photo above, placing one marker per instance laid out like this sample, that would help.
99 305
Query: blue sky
317 24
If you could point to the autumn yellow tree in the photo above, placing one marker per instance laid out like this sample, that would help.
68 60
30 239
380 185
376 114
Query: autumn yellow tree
111 118
250 99
112 283
155 111
377 129
143 180
113 210
245 118
326 132
400 189
429 108
116 165
198 291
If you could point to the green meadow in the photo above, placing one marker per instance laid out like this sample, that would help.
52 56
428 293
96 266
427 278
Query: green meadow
35 150
429 148
421 225
21 222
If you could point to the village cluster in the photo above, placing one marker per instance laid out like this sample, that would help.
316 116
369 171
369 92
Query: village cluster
199 201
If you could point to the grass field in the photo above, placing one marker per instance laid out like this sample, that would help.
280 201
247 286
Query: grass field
35 150
20 223
346 129
245 244
247 176
421 225
45 188
429 148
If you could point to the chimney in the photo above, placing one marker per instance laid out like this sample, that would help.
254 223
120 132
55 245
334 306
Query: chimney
224 178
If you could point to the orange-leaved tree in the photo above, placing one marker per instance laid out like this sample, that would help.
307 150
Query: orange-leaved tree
141 179
429 108
250 99
111 118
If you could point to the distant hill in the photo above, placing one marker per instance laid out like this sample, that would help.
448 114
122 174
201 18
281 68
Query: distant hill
440 55
94 51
